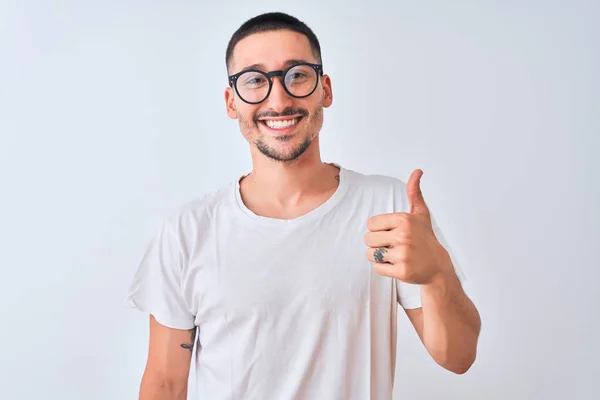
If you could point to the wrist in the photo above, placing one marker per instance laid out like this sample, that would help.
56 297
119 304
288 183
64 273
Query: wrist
444 274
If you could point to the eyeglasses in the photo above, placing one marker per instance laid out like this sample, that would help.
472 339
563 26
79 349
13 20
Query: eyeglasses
299 81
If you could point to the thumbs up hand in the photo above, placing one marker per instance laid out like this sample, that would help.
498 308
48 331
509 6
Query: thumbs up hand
403 245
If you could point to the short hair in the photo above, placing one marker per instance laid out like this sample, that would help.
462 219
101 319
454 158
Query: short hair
272 21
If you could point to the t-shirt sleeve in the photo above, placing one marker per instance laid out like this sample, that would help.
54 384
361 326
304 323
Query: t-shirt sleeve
157 285
409 295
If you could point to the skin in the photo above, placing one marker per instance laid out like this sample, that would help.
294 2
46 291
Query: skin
288 179
168 365
288 168
403 246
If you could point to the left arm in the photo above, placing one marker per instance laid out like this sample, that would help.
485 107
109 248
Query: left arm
404 246
448 322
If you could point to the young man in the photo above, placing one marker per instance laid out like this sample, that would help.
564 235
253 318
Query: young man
291 276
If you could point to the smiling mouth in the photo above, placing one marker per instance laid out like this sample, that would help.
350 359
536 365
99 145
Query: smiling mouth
281 124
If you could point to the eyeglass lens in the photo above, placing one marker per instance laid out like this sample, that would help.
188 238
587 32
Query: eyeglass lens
300 81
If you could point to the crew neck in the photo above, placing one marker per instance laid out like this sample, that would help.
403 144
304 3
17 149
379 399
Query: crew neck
312 215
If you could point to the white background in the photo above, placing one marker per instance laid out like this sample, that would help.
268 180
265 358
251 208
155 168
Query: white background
112 114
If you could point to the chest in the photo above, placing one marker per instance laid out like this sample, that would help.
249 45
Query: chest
245 272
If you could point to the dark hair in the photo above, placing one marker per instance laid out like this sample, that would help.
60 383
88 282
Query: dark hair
273 21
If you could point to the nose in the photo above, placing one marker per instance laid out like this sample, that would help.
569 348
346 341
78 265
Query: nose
278 99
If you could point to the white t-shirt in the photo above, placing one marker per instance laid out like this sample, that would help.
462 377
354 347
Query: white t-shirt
286 309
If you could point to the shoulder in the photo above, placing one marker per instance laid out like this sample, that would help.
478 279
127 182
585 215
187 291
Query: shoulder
384 192
375 182
197 214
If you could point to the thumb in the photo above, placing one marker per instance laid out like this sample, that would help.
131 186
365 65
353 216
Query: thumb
415 196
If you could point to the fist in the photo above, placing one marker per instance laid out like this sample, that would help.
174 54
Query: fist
403 245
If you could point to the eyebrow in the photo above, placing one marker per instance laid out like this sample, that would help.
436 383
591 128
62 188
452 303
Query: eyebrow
262 67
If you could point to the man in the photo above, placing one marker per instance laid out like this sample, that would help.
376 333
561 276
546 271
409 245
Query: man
291 275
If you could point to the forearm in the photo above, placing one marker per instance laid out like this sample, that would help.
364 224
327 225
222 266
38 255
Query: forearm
451 322
158 389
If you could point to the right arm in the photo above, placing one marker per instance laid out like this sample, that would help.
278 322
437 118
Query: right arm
168 365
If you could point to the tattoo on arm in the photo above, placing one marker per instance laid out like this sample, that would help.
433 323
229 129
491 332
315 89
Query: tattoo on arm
190 346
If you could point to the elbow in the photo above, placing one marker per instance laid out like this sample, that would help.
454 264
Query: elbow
457 356
158 387
458 364
459 369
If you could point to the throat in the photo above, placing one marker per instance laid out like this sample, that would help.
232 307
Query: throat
264 202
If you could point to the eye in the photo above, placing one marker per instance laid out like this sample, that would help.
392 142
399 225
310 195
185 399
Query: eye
299 75
252 80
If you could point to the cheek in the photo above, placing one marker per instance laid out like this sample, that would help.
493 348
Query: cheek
247 126
316 116
246 113
246 121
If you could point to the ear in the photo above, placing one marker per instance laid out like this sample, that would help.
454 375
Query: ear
230 103
327 91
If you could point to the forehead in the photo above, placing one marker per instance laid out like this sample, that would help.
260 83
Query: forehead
272 49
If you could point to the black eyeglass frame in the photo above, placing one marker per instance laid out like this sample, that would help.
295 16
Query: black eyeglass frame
280 73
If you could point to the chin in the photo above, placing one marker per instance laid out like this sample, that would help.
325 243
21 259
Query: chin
287 151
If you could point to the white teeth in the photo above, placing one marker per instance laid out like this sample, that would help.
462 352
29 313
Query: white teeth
281 124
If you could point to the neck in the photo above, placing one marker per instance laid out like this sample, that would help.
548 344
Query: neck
288 182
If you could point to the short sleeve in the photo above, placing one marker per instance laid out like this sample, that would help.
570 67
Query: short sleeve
409 295
156 287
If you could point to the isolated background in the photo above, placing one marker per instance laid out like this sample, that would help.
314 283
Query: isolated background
112 114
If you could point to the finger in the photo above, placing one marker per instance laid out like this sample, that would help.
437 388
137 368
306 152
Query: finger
385 269
415 195
386 222
379 239
392 255
378 255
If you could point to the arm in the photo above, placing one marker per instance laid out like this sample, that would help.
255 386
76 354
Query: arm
448 322
168 365
406 246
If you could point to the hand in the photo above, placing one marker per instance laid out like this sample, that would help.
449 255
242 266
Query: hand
403 245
